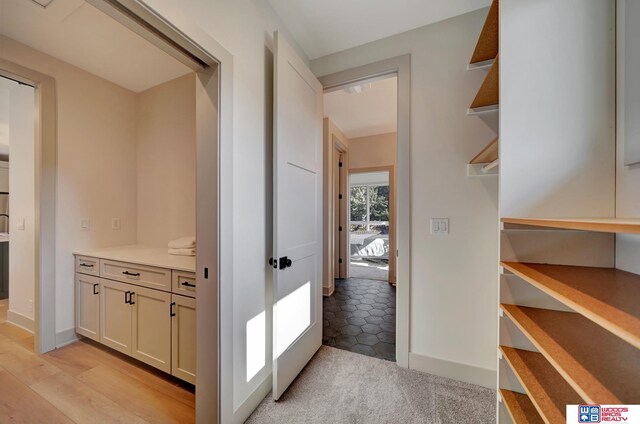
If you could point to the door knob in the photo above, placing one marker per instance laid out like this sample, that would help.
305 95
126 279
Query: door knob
285 262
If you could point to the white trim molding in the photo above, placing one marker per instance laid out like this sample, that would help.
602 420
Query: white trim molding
456 370
66 337
21 321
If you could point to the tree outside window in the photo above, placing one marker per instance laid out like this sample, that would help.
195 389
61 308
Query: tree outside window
369 210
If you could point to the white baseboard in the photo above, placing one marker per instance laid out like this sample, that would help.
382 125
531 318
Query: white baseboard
250 404
66 337
21 321
455 370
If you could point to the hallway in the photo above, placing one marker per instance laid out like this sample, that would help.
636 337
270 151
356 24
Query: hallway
360 316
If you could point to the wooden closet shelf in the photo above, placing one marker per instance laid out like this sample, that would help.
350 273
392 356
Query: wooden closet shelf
606 296
520 408
603 225
600 367
547 390
489 93
488 154
487 46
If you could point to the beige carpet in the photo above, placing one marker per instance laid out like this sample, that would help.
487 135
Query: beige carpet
344 387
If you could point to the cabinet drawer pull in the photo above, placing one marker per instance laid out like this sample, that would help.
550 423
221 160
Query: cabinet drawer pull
126 297
95 286
188 284
172 312
131 274
131 302
86 265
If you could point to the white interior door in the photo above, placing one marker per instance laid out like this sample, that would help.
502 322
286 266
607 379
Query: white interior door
297 287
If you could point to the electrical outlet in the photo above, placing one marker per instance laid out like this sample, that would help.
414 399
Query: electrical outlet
30 305
21 224
84 224
440 226
115 223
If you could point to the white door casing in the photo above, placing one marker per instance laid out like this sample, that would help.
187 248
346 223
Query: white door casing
297 286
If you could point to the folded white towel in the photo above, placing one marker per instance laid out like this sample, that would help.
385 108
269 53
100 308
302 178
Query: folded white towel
183 243
182 252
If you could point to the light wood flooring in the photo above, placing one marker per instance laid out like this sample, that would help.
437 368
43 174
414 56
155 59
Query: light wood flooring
84 383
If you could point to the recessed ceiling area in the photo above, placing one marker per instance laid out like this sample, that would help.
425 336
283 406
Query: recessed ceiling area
367 109
81 35
328 26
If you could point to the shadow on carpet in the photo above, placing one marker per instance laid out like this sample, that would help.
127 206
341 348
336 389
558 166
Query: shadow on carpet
344 387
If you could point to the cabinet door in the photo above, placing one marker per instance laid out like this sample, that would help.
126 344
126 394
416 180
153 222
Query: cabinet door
115 314
183 338
88 306
152 327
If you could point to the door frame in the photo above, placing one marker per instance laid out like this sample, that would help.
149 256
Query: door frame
333 140
401 67
45 148
213 64
393 230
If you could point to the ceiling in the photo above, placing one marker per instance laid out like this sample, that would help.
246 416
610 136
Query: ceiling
328 26
374 111
77 33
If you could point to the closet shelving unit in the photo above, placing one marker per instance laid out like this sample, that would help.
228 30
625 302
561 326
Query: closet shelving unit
588 353
485 56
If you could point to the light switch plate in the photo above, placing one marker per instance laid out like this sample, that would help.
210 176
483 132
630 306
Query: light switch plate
440 226
21 224
84 224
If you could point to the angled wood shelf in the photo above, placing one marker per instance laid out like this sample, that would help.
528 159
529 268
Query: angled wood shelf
488 154
599 366
520 408
603 225
607 296
487 46
547 390
488 94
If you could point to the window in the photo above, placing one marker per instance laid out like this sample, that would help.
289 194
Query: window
369 209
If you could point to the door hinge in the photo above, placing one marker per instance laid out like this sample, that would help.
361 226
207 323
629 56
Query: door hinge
340 164
340 196
340 228
340 260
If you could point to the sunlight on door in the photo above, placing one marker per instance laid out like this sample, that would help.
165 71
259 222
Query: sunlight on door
256 344
293 316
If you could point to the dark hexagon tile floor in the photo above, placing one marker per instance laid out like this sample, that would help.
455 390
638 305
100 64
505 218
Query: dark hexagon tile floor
360 317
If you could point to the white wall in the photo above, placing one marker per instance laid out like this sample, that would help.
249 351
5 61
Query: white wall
557 151
453 278
21 204
96 164
244 28
627 177
166 166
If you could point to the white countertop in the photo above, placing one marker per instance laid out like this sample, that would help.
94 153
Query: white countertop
143 255
4 237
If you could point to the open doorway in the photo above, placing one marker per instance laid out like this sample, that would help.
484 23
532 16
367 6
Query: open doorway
360 296
124 103
371 226
17 200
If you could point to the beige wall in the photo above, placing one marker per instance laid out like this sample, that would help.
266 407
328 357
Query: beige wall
166 166
96 131
374 150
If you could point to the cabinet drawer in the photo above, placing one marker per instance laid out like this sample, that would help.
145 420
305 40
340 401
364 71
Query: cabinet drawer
87 265
141 275
184 283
